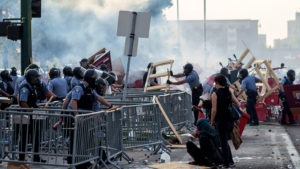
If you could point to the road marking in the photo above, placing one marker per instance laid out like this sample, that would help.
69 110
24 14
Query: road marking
293 153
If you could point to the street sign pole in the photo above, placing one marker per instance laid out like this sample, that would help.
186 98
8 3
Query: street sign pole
132 36
26 44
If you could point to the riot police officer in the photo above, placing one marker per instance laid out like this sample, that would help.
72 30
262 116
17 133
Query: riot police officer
77 78
28 98
248 85
68 74
287 80
5 87
192 78
82 98
14 76
57 85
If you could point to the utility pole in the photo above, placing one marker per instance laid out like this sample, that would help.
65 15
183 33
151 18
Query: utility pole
26 42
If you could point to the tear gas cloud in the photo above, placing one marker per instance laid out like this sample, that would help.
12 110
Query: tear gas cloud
70 30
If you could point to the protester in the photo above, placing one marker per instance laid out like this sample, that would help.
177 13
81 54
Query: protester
192 78
209 153
248 85
287 80
152 81
221 99
85 64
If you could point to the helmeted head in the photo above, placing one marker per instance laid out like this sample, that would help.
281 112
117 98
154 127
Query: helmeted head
101 85
291 75
84 63
110 77
242 74
67 71
33 66
32 76
78 72
5 76
224 71
13 71
187 68
90 76
54 73
103 67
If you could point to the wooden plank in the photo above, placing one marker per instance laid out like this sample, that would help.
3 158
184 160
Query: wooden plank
5 100
262 78
272 72
176 165
250 63
147 79
157 87
159 75
242 57
163 63
168 120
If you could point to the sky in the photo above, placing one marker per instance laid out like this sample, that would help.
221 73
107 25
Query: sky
271 14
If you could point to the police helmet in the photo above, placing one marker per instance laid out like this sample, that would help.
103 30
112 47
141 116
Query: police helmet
187 68
32 76
78 72
54 73
224 71
67 71
110 77
291 75
104 67
90 76
13 71
33 66
242 74
100 86
5 76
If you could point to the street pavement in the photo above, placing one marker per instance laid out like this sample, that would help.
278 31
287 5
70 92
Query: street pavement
268 146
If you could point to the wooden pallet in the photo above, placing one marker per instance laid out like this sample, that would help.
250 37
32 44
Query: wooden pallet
164 74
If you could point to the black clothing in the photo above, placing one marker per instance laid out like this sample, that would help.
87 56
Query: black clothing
286 108
87 99
224 124
196 93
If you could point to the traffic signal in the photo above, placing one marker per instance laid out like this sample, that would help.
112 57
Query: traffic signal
3 28
36 8
14 32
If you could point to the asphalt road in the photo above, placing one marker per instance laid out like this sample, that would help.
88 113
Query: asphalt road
263 147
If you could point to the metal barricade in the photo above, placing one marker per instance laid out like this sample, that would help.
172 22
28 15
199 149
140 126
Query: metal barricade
141 126
178 107
50 134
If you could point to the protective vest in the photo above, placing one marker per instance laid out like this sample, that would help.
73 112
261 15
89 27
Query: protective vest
32 97
87 99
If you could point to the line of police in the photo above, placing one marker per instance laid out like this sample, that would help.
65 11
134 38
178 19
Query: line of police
81 88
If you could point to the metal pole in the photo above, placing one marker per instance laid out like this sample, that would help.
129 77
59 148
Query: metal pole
204 28
26 43
132 36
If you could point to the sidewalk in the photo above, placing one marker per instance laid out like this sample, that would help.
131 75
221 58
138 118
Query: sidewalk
263 147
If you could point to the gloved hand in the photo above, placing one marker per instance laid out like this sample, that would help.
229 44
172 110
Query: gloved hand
169 82
171 73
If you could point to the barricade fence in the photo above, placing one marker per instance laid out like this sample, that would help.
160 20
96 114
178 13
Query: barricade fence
30 135
141 125
61 138
178 107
